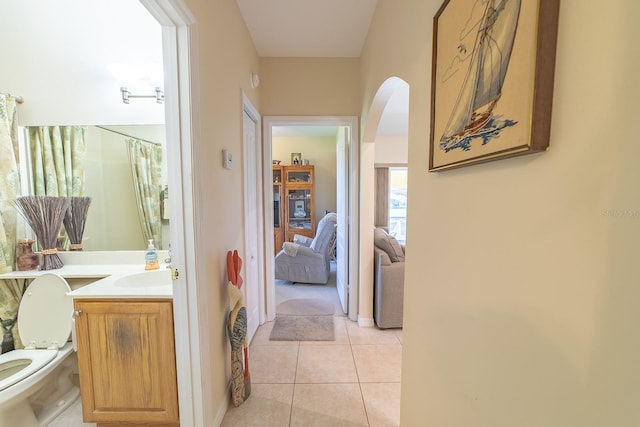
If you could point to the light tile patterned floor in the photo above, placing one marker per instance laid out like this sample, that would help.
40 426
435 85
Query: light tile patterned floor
71 417
352 381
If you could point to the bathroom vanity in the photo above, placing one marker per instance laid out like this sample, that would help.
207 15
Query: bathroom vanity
124 335
126 351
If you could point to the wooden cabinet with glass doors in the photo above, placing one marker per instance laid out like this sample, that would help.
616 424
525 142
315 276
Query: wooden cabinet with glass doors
278 207
299 215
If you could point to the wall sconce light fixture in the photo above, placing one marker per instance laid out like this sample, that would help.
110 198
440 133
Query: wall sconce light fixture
126 95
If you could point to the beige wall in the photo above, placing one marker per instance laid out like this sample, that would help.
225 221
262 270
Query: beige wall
310 86
225 57
521 286
321 153
391 150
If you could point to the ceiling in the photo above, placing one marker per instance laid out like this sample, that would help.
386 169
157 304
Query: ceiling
308 28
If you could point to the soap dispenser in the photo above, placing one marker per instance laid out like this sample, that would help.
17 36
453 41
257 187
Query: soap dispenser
151 257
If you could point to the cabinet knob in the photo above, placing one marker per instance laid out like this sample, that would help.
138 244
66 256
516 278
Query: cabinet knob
76 313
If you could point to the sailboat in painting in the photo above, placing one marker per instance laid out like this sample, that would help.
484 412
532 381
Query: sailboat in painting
472 116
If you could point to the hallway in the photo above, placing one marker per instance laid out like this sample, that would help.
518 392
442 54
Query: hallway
352 381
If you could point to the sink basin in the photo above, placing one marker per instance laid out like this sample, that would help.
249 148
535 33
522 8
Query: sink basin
146 279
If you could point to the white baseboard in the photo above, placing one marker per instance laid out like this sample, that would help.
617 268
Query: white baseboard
365 322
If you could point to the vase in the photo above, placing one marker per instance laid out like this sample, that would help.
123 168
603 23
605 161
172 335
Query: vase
27 260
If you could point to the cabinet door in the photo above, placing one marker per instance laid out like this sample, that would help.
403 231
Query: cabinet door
300 210
298 175
126 359
278 208
299 214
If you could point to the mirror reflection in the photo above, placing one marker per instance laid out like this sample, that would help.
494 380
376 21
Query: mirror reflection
127 203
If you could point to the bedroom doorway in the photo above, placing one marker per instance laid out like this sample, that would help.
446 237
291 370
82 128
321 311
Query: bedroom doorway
346 203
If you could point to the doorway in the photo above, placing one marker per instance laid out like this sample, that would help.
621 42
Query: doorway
181 127
254 242
388 118
348 253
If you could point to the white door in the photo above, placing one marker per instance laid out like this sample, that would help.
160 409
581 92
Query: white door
342 202
250 265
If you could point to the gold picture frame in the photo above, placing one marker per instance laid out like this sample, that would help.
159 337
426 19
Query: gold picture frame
492 80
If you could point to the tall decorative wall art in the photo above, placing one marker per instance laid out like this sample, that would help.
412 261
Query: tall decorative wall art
492 80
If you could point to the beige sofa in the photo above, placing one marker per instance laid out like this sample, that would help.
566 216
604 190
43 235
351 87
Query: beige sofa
388 270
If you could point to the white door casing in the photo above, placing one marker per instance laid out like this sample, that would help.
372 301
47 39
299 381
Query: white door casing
342 211
251 221
182 124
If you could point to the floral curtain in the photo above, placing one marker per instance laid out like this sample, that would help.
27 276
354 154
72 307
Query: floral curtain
146 167
57 159
10 291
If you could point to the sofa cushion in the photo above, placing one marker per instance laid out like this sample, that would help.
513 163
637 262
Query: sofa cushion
389 244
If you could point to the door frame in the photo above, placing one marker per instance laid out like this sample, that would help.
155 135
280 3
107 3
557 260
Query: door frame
254 188
182 123
353 243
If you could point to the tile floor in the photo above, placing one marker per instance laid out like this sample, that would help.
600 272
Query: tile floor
352 381
71 417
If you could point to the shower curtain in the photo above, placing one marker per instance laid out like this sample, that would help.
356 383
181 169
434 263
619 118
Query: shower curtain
146 168
57 161
10 291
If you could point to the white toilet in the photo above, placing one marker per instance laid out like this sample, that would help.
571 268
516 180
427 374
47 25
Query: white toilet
35 383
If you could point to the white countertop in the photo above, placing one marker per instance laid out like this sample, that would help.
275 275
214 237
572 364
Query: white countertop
77 271
113 287
109 268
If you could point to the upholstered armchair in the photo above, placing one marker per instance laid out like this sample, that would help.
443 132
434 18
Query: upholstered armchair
388 273
306 260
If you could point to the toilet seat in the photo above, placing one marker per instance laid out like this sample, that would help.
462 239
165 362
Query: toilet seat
32 361
44 316
36 384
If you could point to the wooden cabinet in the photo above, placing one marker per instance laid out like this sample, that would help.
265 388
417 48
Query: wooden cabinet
126 360
278 208
299 214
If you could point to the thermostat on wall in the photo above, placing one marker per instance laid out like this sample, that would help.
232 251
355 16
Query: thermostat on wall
227 159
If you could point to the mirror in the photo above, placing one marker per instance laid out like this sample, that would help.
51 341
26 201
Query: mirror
67 79
112 220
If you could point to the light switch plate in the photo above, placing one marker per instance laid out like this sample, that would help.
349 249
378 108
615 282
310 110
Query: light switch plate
227 159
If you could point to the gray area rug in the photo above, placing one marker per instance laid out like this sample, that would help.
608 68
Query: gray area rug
302 328
305 307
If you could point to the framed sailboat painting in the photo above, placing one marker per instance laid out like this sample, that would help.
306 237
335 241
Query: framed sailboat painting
492 80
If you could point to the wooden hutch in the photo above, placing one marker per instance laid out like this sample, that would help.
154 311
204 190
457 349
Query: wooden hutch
293 203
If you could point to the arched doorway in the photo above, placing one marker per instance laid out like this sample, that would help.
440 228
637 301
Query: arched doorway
386 125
